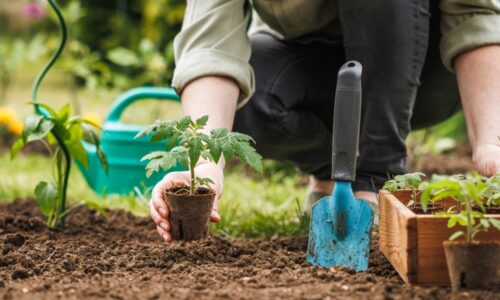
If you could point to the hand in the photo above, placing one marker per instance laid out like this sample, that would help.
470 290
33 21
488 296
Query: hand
486 159
158 207
372 200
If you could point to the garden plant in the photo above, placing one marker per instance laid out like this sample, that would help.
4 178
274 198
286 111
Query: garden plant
63 134
190 207
472 263
413 183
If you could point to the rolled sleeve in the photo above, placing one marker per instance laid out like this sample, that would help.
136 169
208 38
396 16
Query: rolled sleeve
467 25
214 41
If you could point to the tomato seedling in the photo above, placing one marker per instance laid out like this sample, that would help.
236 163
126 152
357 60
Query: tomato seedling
186 144
412 181
467 191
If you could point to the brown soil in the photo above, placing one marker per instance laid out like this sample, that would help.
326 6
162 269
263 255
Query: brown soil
456 162
492 210
431 209
123 258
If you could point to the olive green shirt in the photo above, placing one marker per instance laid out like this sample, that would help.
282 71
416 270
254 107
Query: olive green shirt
214 36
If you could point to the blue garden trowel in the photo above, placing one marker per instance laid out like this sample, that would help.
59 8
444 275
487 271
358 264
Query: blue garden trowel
341 224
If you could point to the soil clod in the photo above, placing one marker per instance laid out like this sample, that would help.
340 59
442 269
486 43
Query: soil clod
15 239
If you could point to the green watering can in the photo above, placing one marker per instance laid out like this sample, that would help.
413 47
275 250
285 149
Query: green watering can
123 152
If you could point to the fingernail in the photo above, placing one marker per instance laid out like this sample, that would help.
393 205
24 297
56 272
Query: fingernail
164 226
162 211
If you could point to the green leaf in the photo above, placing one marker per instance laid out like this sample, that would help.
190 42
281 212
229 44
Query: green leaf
195 148
97 207
102 159
183 123
90 136
228 151
452 222
41 131
64 113
495 223
249 155
74 144
153 155
47 108
206 155
31 124
456 235
173 140
203 181
78 153
46 196
484 223
16 147
201 122
390 185
159 159
123 57
215 150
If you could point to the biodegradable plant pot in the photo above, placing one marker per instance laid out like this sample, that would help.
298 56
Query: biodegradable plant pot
473 266
189 215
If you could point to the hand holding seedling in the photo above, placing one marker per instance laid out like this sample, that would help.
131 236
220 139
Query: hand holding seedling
199 153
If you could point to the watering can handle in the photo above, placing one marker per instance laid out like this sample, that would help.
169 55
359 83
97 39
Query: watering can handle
346 122
160 93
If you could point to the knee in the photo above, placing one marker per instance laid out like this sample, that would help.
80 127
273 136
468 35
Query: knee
257 120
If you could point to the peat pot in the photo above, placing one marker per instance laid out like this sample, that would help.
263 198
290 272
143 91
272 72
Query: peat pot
473 265
189 215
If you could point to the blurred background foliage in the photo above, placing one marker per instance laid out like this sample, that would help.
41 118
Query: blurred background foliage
114 44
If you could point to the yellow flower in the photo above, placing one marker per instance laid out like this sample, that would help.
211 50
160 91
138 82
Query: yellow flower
7 115
92 117
16 127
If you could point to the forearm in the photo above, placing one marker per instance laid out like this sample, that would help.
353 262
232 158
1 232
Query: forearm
214 96
478 75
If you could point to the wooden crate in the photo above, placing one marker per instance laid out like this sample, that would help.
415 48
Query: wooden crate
414 243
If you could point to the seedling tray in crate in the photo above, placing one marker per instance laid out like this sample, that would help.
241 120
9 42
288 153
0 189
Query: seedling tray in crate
413 243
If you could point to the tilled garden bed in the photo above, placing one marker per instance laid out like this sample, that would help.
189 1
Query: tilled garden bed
122 258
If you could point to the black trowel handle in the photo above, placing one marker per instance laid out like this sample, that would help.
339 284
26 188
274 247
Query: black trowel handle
346 120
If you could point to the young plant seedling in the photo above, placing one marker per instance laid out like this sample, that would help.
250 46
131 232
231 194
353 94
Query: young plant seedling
51 195
187 144
467 191
412 181
493 193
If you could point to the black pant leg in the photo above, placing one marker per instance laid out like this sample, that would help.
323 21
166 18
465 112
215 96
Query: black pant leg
290 114
389 38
